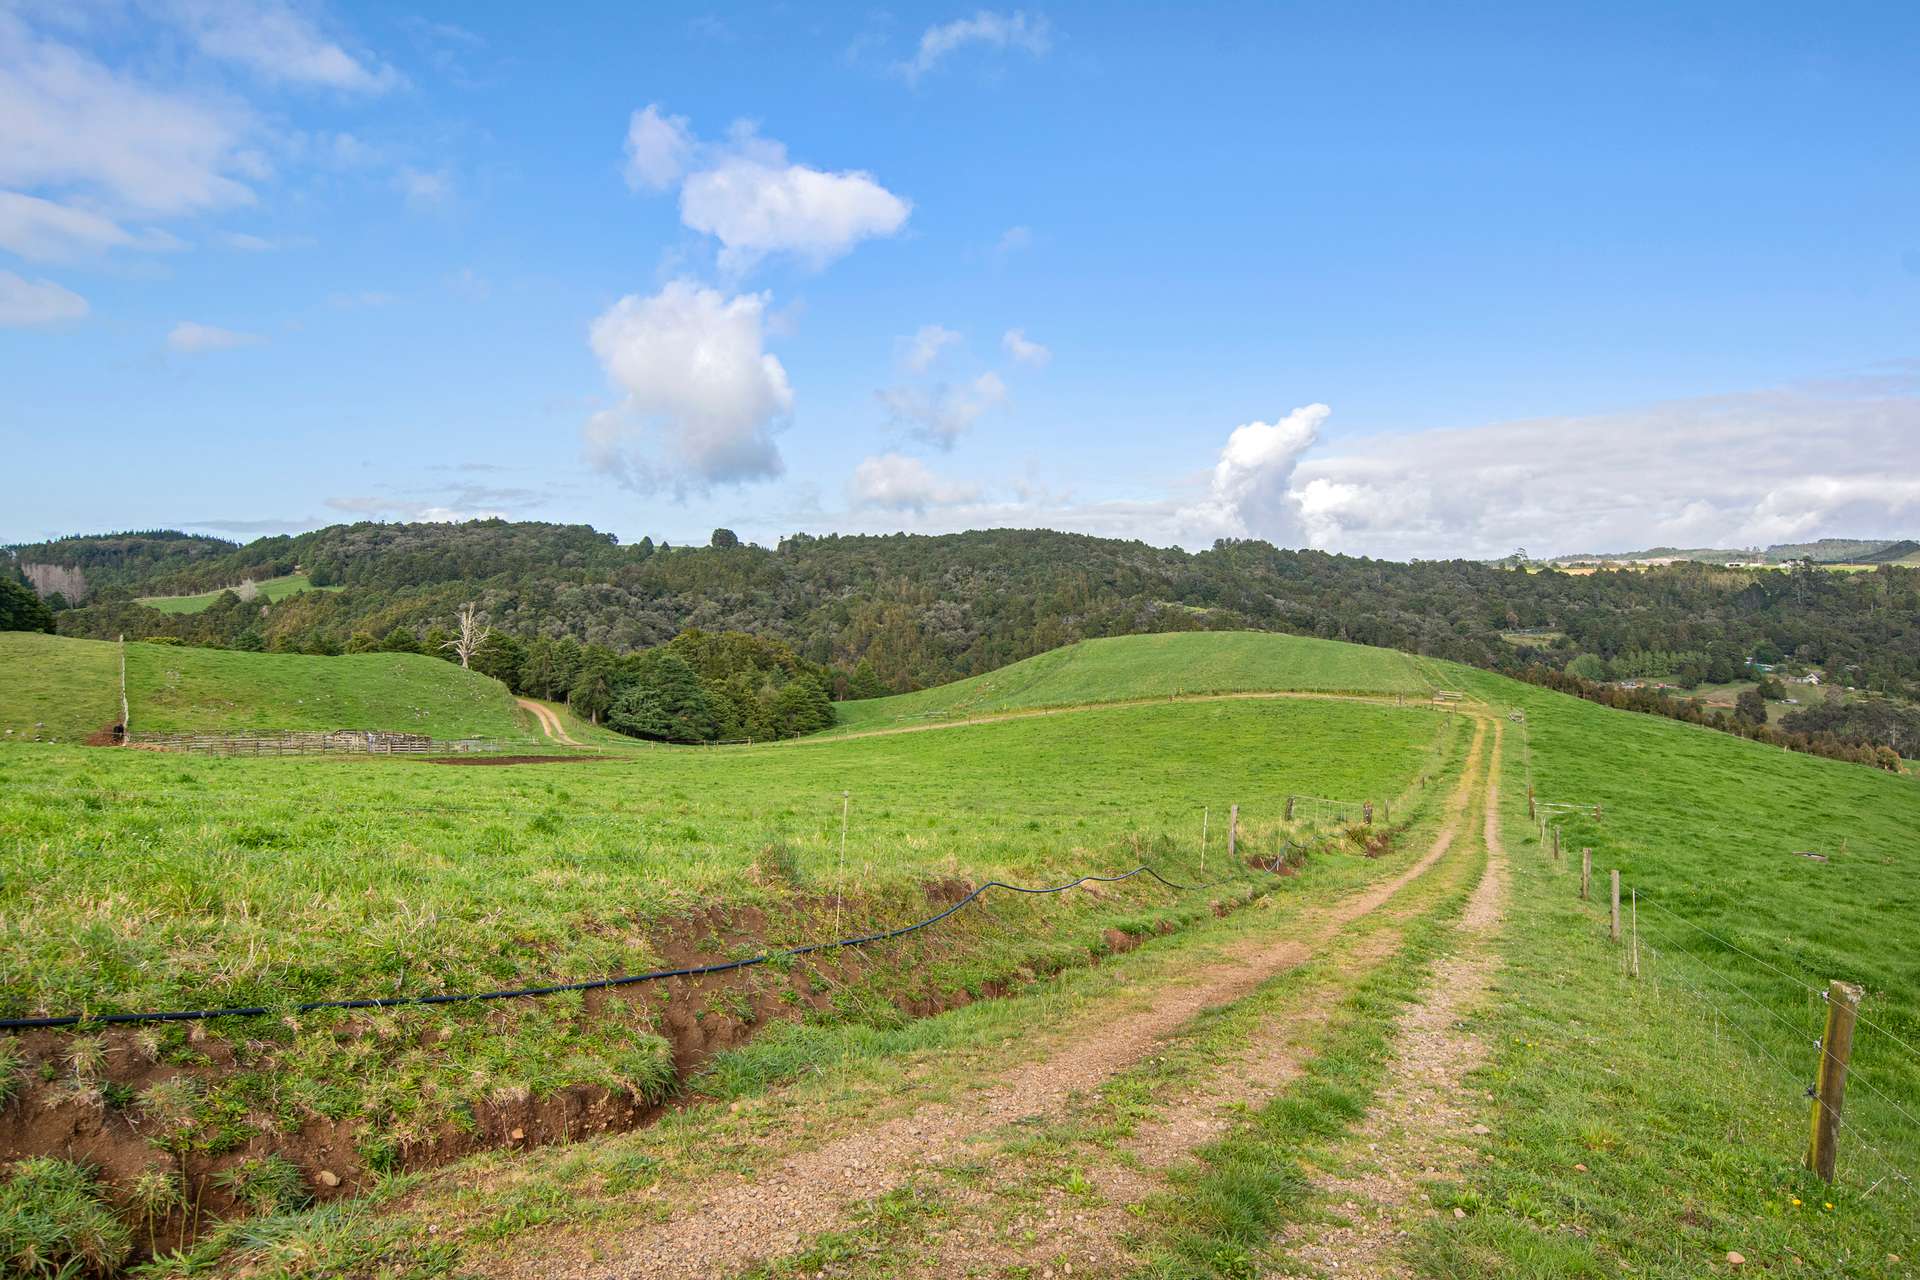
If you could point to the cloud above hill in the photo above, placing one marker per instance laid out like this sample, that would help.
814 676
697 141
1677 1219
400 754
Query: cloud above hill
745 192
703 399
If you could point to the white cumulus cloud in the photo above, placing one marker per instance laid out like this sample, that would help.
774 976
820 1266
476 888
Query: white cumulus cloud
192 338
942 415
658 148
895 482
985 27
33 304
756 202
1250 493
746 193
1024 350
703 399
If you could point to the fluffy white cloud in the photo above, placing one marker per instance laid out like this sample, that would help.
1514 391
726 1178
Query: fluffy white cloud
703 399
277 42
47 231
895 482
756 202
750 197
944 414
32 304
72 124
190 338
1250 493
658 148
1023 350
918 353
994 30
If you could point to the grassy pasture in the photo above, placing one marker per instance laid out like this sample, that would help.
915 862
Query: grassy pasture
141 879
56 689
273 589
1149 667
1683 1092
181 689
133 880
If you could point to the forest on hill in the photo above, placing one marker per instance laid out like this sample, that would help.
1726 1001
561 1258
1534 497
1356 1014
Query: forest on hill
863 615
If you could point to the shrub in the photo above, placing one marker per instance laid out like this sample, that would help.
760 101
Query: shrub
54 1223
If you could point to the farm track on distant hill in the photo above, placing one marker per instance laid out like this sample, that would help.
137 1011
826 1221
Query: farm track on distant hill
725 1225
549 722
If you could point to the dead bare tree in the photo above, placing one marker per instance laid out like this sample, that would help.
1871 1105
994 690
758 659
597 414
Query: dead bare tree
472 635
248 590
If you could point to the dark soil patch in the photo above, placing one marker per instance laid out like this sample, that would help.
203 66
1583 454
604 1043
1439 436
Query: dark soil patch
111 734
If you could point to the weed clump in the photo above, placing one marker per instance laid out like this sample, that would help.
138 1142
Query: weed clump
54 1222
778 862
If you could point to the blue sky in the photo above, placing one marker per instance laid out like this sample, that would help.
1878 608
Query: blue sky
1396 280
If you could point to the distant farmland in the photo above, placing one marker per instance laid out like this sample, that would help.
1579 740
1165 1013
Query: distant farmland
273 589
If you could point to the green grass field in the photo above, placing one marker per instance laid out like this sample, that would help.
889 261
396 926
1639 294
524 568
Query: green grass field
136 880
180 689
1153 666
291 584
54 689
131 879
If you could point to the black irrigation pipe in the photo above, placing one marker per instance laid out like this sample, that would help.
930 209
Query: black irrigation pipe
596 984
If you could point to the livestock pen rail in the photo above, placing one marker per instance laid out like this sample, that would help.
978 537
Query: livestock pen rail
299 743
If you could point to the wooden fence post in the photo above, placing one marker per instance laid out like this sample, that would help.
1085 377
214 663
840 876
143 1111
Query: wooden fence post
1586 872
1366 812
1556 844
126 712
1530 813
1614 930
1636 932
1233 830
1836 1046
1289 808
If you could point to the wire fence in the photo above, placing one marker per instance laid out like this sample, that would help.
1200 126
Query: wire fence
1739 990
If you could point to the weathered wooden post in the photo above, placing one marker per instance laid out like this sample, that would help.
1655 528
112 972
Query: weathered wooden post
1836 1046
1614 930
1366 812
1530 813
1586 872
1636 932
1233 830
1556 844
1289 808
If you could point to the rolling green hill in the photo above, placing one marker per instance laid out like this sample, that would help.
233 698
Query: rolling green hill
179 689
53 688
1123 668
271 590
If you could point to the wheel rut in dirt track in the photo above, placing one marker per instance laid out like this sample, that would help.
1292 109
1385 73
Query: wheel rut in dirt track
729 1226
1423 1125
